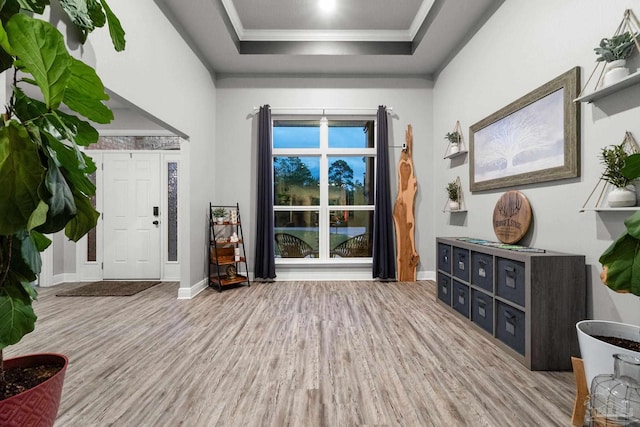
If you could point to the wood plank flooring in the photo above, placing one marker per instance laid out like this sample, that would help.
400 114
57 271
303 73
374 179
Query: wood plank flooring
286 354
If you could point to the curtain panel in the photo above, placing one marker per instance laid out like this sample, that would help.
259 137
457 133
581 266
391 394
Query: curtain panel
265 264
384 259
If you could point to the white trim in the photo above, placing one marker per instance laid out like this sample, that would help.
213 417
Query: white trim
64 278
425 7
327 35
189 293
45 278
340 273
135 132
406 35
426 275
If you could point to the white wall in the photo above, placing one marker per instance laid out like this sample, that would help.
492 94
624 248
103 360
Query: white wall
411 100
524 45
160 74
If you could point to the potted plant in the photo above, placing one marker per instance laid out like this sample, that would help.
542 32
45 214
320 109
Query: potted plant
453 192
218 214
613 158
454 139
44 173
599 340
615 51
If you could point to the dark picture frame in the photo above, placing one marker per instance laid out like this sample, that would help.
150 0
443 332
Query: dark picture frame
534 139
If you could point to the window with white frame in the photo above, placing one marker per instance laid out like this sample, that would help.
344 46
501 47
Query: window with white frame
323 187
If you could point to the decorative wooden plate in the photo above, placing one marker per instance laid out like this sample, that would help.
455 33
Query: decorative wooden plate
511 217
231 271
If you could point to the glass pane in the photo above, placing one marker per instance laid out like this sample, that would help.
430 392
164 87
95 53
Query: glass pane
351 180
351 134
296 234
296 134
296 181
172 211
91 235
350 233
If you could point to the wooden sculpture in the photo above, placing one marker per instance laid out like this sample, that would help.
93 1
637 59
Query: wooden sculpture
403 213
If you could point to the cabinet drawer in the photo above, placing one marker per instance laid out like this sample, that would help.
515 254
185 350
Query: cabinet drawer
444 288
460 298
482 310
444 257
482 270
510 326
511 280
461 264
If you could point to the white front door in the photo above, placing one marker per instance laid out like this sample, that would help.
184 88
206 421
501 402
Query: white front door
131 215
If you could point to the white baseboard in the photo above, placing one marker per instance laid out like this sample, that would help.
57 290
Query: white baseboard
62 278
426 275
189 293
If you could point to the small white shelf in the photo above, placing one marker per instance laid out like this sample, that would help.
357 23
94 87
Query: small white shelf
606 209
458 211
459 153
630 80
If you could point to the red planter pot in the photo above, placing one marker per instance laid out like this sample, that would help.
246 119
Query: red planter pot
38 406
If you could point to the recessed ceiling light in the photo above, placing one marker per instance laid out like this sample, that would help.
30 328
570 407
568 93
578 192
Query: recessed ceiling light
327 5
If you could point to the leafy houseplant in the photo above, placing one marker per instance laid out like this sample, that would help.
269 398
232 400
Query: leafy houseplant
621 260
615 48
44 173
453 192
614 51
600 339
453 137
219 214
613 158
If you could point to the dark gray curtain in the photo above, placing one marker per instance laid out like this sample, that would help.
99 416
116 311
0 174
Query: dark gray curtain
265 265
384 259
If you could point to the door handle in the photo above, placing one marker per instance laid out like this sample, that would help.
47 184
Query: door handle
156 222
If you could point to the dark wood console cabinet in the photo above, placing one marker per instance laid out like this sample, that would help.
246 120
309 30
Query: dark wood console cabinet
527 302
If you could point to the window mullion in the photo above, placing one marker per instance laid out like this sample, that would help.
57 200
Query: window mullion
323 228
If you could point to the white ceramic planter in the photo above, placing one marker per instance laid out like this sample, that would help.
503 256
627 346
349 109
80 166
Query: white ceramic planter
597 355
615 71
622 197
454 148
454 206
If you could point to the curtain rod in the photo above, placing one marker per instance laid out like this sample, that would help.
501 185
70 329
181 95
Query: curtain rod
324 109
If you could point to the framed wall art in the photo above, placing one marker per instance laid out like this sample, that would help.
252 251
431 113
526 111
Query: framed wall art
534 139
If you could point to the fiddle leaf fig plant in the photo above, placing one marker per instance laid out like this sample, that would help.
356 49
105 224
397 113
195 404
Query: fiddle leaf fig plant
44 174
621 260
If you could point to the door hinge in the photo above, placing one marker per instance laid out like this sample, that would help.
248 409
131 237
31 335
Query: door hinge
102 266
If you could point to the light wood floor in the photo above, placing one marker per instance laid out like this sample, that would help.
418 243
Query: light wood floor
286 354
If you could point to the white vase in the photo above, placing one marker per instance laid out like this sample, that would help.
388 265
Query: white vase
454 148
622 197
596 354
454 206
615 71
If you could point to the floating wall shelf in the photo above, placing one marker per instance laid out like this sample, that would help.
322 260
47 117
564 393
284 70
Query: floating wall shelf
628 81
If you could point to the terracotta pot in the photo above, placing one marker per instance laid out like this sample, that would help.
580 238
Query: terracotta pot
38 406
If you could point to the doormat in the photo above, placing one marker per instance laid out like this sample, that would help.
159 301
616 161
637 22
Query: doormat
109 289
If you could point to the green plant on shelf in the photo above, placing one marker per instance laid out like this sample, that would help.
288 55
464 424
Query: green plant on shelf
616 47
